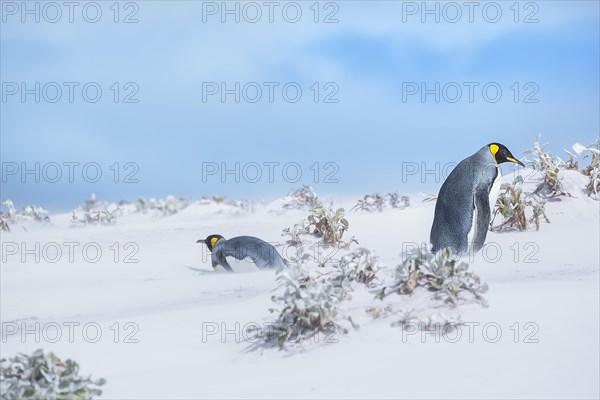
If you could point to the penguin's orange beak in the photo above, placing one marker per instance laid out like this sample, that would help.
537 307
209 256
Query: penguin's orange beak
514 160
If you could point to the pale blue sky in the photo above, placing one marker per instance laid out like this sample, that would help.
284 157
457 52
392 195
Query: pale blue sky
368 133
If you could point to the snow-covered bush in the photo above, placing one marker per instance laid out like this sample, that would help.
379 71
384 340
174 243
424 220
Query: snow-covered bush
171 205
296 234
45 376
513 205
37 213
592 170
435 323
309 298
167 206
311 288
236 206
301 199
101 217
378 312
3 224
428 197
321 231
572 164
94 212
360 266
551 167
321 223
29 213
242 206
327 224
443 274
308 304
12 211
377 202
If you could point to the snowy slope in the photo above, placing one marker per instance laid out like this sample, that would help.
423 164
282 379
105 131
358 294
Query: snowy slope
547 278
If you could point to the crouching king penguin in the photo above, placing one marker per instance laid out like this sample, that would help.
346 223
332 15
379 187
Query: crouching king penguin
467 199
242 250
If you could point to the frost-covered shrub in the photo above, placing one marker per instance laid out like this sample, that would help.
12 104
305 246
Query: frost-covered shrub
312 288
321 223
592 170
167 206
513 204
94 212
308 304
378 312
45 376
3 224
101 217
236 206
434 323
37 213
551 167
446 276
428 197
377 202
29 213
572 164
242 205
360 266
327 224
301 199
12 211
321 231
296 234
171 205
398 201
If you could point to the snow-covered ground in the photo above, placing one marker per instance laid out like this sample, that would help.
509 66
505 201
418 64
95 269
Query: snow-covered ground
168 322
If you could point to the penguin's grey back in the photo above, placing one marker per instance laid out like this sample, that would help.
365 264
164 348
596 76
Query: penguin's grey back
454 210
261 253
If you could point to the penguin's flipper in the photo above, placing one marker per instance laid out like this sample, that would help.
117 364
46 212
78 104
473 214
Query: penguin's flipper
482 215
219 260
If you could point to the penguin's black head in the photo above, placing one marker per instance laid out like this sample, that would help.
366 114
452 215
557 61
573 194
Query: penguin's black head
211 241
501 154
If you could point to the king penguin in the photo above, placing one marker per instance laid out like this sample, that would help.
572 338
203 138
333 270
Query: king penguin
241 251
466 200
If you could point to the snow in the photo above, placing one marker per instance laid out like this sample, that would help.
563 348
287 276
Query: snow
172 296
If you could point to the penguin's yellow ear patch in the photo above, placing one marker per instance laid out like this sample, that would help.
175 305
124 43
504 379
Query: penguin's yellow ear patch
494 149
213 241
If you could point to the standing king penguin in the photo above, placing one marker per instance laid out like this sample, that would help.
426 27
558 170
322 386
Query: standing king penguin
242 250
466 200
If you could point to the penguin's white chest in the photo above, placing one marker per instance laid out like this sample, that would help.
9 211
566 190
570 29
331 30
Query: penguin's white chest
495 190
493 196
